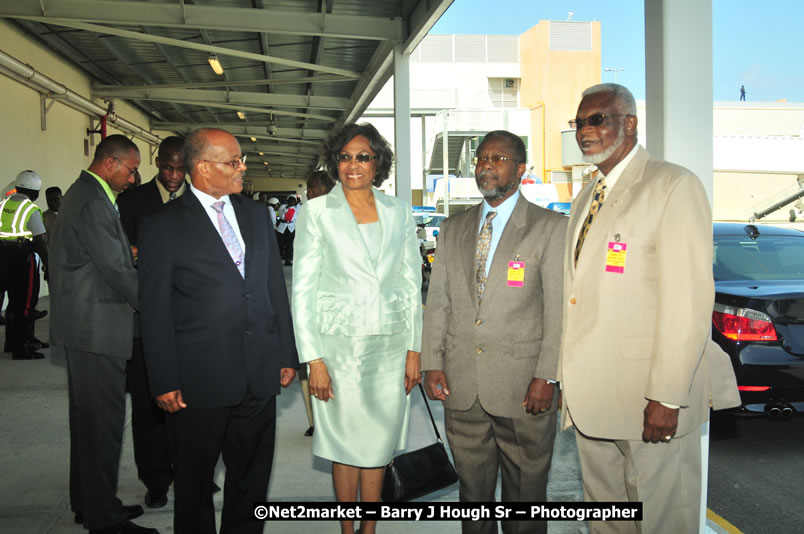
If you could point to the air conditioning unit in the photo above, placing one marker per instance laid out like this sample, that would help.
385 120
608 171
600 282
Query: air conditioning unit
510 82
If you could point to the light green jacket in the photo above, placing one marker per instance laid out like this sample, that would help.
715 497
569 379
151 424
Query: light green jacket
338 290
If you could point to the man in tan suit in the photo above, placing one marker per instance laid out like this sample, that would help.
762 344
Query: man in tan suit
638 296
491 333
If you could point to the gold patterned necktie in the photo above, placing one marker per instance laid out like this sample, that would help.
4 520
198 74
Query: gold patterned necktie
597 200
482 253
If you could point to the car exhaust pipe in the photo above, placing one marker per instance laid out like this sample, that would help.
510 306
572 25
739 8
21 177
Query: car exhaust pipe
774 412
787 412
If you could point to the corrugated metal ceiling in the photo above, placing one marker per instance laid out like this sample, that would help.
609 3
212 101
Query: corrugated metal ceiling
301 65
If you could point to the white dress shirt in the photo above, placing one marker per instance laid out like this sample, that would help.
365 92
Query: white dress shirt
228 211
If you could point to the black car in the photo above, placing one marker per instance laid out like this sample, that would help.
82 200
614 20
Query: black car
758 317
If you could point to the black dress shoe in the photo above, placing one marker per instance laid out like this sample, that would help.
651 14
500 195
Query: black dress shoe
310 431
36 344
126 528
156 498
28 355
130 511
38 314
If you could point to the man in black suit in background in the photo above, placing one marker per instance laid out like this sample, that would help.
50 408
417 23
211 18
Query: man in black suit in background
148 428
93 295
217 334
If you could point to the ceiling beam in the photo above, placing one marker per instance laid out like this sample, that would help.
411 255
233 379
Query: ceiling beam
182 15
201 98
211 49
244 129
253 109
244 83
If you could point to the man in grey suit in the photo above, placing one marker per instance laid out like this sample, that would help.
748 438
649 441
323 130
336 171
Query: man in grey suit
93 291
491 335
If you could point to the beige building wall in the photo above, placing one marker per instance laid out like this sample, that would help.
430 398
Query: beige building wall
56 153
552 83
736 195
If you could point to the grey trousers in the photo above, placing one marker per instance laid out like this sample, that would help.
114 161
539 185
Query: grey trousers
522 448
97 396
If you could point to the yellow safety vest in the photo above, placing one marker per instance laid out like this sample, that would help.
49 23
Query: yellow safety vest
14 217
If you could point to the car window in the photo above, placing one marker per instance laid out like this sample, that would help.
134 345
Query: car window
766 258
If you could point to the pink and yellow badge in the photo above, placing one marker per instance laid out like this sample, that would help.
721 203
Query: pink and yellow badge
615 258
516 273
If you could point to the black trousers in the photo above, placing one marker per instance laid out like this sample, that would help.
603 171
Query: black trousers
280 240
148 427
245 435
17 274
287 245
97 395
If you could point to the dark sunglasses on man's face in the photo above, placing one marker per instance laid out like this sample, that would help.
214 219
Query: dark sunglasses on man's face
592 120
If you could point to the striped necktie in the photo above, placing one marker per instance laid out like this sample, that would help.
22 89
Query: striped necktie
482 253
597 201
230 238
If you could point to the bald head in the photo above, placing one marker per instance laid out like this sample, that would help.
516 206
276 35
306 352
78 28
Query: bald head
214 160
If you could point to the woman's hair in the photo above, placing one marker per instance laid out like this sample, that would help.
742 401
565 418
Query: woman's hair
334 144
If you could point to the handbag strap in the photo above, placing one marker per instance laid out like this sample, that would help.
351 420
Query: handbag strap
432 420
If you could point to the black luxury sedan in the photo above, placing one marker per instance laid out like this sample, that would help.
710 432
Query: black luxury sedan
758 317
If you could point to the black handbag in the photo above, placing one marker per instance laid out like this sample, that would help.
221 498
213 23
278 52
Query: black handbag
417 473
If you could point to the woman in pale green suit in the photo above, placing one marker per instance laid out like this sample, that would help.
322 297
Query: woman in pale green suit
357 314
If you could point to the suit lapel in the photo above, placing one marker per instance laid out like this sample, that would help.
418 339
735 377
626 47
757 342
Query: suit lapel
506 248
385 215
197 219
468 242
246 229
613 206
336 201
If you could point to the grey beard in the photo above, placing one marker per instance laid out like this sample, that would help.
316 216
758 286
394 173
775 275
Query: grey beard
600 157
498 192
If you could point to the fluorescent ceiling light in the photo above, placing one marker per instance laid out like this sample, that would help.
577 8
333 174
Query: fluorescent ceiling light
215 63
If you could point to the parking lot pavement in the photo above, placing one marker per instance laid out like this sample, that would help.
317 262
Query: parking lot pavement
34 458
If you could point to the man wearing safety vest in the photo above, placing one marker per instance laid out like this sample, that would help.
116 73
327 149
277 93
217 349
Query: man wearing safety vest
22 232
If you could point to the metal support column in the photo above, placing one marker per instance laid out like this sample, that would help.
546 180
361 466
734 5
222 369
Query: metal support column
402 132
678 93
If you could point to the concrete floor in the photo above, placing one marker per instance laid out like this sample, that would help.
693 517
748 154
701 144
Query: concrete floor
34 458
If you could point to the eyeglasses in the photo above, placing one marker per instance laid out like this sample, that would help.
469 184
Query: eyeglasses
131 172
592 120
495 159
360 158
233 164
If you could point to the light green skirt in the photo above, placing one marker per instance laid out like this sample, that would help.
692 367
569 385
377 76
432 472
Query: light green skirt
368 418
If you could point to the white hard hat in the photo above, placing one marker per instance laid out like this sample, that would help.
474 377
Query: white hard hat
273 200
29 180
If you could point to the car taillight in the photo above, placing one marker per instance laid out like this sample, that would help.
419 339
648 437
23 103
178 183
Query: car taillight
753 388
743 324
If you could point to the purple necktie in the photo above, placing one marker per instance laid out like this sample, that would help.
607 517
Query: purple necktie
230 238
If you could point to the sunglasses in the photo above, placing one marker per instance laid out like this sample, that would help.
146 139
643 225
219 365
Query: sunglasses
592 120
360 158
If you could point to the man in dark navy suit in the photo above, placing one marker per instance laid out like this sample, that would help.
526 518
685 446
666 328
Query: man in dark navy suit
217 334
148 428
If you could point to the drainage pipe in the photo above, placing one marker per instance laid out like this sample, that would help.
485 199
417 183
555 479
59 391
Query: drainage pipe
47 86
